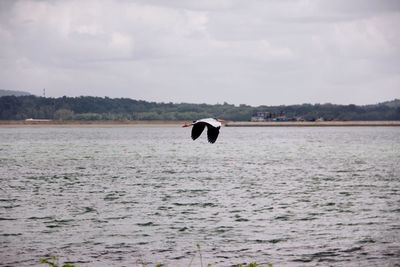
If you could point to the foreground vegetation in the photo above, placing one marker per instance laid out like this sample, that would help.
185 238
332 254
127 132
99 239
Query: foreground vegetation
98 108
53 262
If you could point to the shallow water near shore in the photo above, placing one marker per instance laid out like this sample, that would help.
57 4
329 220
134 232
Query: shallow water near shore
118 196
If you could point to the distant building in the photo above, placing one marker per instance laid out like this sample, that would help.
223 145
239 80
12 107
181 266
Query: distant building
269 116
259 116
280 118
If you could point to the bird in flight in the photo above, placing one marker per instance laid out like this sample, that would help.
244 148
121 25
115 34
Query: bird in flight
213 126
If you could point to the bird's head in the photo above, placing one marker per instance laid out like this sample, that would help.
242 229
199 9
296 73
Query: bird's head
187 124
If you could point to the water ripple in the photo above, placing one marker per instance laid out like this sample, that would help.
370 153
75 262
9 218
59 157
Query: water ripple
121 196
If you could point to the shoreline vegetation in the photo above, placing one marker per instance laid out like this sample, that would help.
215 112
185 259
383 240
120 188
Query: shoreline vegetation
160 123
126 111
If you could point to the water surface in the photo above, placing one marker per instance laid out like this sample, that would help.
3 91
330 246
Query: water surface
118 196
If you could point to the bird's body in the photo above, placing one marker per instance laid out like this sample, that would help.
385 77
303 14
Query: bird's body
213 126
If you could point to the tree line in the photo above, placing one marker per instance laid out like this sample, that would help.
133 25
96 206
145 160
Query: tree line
104 108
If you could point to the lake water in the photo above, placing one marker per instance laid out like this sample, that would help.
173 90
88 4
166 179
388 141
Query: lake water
124 196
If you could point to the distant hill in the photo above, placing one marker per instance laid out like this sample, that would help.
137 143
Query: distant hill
15 93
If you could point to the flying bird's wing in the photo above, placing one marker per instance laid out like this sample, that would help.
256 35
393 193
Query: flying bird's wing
212 133
213 122
197 129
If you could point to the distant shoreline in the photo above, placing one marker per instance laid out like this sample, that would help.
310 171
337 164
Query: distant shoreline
109 123
313 123
93 123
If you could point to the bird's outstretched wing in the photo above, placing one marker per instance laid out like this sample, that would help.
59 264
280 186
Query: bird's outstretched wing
212 133
197 129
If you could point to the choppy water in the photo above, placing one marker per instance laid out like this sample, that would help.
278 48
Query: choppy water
120 196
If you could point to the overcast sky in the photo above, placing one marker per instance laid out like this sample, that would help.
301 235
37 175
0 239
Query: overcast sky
210 51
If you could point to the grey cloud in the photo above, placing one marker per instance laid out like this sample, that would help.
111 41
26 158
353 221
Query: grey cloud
253 52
